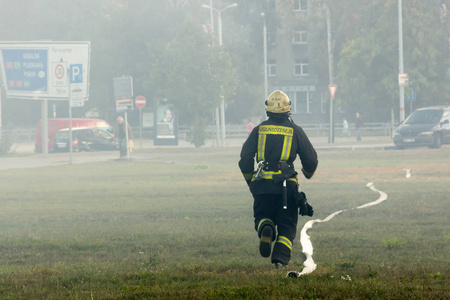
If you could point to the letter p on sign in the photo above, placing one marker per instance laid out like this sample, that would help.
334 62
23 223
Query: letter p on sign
76 73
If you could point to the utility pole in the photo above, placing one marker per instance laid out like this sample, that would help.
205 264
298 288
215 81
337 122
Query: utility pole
330 70
0 112
400 61
219 23
216 110
222 104
44 126
212 16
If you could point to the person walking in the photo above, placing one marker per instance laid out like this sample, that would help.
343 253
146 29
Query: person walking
358 126
121 135
275 144
345 129
250 126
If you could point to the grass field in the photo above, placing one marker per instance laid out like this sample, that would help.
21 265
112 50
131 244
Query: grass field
179 226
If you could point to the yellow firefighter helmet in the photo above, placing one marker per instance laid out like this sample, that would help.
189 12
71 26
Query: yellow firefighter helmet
278 102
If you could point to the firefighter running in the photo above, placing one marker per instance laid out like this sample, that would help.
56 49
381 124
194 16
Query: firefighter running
275 144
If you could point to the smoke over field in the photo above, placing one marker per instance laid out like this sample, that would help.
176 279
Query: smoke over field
178 224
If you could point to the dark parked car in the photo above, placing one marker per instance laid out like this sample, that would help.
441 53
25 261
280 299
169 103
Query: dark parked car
427 126
84 139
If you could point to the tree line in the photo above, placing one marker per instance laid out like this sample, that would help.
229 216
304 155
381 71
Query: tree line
169 50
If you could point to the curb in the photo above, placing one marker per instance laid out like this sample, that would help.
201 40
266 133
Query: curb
354 148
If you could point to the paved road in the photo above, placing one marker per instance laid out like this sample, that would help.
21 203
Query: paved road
26 158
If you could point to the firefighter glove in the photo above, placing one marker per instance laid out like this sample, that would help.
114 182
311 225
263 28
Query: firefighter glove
302 202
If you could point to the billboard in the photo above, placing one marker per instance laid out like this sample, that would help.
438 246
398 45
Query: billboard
166 125
46 70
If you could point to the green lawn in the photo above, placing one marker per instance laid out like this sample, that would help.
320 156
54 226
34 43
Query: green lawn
179 225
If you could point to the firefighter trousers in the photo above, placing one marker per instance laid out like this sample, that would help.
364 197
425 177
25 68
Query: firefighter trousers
268 210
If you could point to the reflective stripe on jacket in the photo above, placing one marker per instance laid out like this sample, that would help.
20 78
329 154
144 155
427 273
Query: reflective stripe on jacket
276 140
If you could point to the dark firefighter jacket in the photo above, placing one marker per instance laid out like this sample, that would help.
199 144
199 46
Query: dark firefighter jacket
276 140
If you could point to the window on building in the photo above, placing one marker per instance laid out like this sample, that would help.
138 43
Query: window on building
300 37
300 5
301 67
291 96
272 67
302 104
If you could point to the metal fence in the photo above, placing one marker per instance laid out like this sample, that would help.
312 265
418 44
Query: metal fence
319 129
21 134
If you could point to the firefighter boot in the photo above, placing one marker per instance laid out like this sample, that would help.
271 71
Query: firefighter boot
265 243
279 265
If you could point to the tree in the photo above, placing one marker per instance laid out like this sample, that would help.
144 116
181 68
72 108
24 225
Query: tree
244 41
192 74
62 20
368 67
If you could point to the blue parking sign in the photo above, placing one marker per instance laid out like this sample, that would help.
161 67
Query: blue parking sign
76 73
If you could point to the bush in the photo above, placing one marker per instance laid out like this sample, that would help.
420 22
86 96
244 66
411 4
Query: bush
6 142
198 132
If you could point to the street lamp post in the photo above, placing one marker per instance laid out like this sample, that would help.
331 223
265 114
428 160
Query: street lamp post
330 70
211 14
400 61
219 23
216 110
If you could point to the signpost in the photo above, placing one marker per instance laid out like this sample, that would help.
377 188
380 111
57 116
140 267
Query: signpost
40 71
332 88
140 102
1 113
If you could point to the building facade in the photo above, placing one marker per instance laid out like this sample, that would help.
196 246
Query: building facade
290 64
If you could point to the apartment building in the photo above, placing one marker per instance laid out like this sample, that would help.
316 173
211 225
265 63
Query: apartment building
290 64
